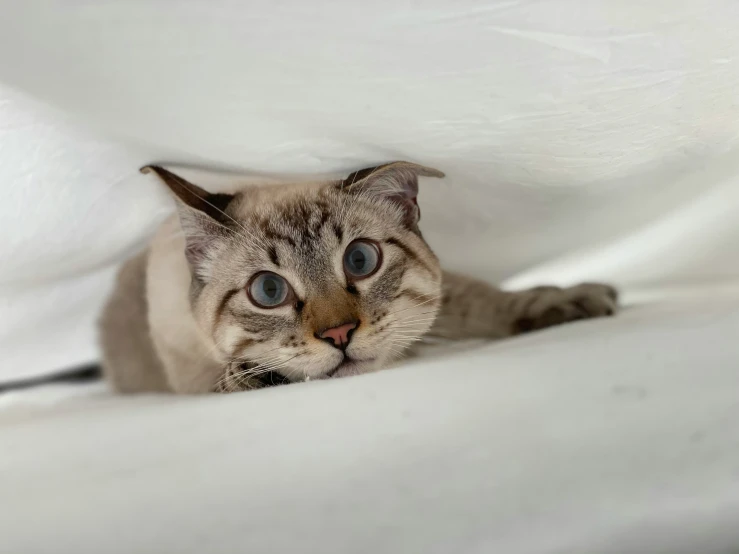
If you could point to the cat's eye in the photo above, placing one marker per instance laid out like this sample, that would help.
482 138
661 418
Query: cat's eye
268 290
362 258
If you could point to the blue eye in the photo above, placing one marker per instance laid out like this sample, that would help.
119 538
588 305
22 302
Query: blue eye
362 258
268 290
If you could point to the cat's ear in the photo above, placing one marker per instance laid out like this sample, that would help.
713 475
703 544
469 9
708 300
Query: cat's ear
396 181
202 216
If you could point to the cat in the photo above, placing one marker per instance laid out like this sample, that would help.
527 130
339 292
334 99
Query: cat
286 283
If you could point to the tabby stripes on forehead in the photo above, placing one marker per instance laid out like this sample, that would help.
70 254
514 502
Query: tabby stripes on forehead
272 234
273 255
322 221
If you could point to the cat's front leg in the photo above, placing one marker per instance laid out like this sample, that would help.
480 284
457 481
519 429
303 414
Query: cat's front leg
543 307
474 309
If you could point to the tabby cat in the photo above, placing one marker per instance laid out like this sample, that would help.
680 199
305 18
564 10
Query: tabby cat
286 283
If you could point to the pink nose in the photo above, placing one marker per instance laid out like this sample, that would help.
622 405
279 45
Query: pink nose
340 336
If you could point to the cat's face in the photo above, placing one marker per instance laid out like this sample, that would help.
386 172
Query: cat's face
310 282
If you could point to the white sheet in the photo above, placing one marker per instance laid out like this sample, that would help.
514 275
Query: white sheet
581 139
611 437
73 207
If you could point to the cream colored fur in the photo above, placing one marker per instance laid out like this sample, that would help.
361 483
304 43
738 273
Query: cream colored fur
184 324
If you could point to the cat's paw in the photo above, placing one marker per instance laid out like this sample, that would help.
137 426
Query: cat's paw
548 306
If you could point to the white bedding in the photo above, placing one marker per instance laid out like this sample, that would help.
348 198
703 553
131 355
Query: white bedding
581 139
616 436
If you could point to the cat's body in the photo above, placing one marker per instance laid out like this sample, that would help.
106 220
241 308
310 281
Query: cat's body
302 282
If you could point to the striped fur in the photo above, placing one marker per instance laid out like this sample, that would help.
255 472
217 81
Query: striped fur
182 320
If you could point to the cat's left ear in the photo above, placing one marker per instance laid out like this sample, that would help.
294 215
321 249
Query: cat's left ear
396 181
202 216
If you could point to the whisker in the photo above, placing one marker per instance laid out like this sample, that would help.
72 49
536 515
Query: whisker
415 305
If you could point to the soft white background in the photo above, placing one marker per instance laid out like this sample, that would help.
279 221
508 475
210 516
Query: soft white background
582 140
563 127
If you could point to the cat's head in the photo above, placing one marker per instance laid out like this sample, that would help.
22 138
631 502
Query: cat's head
309 281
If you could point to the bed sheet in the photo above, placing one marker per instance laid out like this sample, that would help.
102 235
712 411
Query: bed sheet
581 139
615 436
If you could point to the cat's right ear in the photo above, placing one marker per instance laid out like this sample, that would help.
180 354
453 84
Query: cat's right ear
202 216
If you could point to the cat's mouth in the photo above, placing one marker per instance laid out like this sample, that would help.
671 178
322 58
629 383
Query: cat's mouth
348 366
272 379
345 363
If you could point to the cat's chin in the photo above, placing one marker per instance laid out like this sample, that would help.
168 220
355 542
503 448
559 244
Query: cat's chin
348 367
